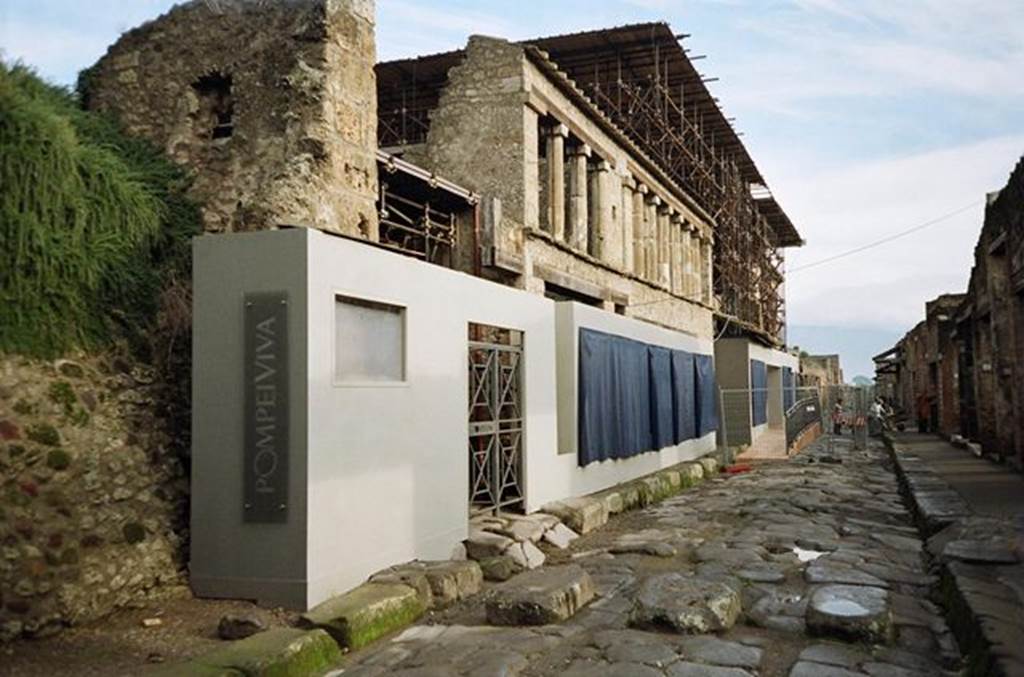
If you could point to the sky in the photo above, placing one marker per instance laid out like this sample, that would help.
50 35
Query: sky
867 118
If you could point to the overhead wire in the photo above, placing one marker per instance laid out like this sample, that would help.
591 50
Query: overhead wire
887 239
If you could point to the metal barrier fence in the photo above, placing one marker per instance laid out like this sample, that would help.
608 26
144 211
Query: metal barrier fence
805 413
847 409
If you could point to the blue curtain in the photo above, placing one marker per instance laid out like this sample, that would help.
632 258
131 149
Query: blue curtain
635 397
707 394
663 423
614 397
684 395
759 391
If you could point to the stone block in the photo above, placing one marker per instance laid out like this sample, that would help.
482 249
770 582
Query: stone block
582 515
499 568
690 473
452 581
412 575
855 612
560 536
614 503
484 544
541 597
360 616
630 496
278 652
526 555
685 604
710 466
673 478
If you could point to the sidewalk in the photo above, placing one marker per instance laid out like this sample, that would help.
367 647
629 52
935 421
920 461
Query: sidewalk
972 512
989 489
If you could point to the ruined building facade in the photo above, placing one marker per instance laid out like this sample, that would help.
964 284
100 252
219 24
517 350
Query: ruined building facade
610 175
959 370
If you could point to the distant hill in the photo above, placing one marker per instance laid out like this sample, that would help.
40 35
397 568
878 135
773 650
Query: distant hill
863 381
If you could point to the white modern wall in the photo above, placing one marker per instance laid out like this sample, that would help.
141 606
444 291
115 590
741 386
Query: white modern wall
554 476
388 464
378 472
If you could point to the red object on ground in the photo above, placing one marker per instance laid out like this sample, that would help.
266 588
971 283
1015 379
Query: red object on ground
738 468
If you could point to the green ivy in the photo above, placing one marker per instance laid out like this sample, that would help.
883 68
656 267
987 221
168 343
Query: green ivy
92 223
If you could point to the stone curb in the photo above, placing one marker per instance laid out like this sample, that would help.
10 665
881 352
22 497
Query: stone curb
281 652
584 514
986 616
366 613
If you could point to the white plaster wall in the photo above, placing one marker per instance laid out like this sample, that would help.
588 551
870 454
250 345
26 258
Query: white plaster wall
388 464
557 475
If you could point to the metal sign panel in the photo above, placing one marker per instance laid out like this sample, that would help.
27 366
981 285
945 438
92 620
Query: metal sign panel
265 474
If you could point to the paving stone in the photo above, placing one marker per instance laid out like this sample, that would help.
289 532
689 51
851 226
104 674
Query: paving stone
761 574
850 611
560 536
833 654
484 544
582 515
705 649
493 661
539 597
521 530
360 616
826 571
687 669
657 655
685 604
654 548
809 669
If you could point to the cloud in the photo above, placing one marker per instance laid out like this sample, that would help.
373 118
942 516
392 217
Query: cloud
888 286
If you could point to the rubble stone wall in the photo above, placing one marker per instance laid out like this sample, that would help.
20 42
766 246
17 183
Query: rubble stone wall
271 104
93 501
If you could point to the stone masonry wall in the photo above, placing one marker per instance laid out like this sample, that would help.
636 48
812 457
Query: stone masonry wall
478 132
93 500
271 104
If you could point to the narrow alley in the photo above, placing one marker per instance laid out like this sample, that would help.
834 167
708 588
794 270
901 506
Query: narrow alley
807 568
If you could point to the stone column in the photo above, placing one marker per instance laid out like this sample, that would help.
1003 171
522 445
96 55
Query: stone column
688 261
577 223
555 141
650 238
627 197
707 255
664 246
678 263
601 220
639 228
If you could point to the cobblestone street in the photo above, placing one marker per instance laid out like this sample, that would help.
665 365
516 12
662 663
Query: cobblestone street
806 568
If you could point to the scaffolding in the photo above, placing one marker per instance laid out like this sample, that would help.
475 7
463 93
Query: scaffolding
642 80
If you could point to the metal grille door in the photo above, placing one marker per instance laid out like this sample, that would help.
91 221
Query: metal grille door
495 417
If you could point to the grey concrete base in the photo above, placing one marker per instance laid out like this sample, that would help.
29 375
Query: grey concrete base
269 592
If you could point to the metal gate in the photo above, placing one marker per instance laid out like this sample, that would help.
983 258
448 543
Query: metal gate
495 417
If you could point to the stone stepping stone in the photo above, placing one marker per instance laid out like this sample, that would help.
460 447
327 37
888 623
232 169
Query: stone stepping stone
761 574
685 604
850 612
541 596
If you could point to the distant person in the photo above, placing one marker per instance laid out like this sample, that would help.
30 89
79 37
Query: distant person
923 413
837 417
875 417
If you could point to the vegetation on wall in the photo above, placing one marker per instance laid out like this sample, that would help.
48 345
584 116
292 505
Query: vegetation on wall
94 227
